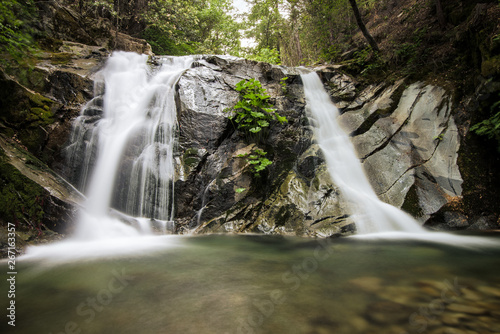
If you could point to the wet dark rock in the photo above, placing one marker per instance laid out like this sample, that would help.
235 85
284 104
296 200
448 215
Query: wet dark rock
455 220
484 223
60 23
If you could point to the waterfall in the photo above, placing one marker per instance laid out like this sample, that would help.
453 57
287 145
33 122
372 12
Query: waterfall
133 143
370 214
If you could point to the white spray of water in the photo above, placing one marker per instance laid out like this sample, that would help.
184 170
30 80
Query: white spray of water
369 212
144 112
374 219
138 125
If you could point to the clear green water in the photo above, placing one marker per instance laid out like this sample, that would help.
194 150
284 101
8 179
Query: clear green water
260 284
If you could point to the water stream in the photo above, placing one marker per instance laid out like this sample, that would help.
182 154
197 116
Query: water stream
370 213
132 145
264 285
136 138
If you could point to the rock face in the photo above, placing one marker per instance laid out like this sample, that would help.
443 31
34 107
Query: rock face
405 137
412 142
60 23
36 116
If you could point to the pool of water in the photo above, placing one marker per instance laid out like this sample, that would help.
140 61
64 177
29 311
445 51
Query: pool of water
264 284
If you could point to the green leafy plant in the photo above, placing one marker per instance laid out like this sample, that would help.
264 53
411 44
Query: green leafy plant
490 127
16 19
283 84
439 137
253 112
240 190
271 56
257 161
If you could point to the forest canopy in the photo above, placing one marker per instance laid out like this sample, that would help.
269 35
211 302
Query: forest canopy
291 32
288 32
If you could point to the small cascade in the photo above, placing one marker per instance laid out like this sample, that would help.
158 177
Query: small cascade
130 143
370 214
203 203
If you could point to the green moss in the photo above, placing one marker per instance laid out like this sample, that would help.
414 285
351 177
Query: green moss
191 161
190 157
37 100
25 112
491 66
39 116
21 200
60 58
191 151
31 77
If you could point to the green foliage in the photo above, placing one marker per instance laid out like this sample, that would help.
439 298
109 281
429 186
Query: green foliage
265 23
268 56
410 53
253 112
173 27
163 45
240 190
179 27
257 161
284 88
219 31
366 62
490 127
15 28
326 29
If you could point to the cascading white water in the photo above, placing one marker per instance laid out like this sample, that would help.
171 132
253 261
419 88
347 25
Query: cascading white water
370 214
374 218
137 128
132 145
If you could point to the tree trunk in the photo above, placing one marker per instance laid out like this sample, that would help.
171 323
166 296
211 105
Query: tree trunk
440 14
362 26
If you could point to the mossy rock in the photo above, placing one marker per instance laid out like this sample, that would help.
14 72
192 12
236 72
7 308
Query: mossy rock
21 199
491 66
26 113
60 58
